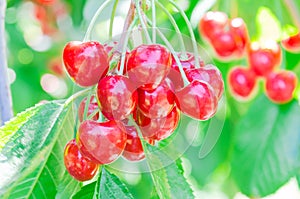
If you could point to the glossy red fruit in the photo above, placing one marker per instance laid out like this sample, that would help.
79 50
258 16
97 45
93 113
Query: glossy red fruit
242 82
212 23
292 43
117 97
224 44
239 31
102 142
159 128
158 102
92 107
148 65
280 86
85 62
46 2
264 58
79 167
133 150
210 74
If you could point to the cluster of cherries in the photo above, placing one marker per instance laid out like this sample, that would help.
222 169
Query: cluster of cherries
230 39
142 98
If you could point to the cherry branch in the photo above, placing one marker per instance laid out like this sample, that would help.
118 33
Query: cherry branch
5 96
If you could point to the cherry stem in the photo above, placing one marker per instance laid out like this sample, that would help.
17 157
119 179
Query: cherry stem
76 95
94 19
90 116
172 20
294 12
87 103
112 16
189 26
142 21
153 21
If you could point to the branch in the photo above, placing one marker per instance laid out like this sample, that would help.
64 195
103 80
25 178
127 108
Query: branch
5 95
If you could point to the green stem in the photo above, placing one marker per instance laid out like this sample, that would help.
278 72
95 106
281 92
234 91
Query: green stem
141 17
153 21
86 107
94 19
294 12
76 95
112 16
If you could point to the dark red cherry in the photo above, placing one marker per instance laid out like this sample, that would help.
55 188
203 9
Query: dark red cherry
92 107
210 74
79 167
148 65
224 44
280 86
102 142
117 97
239 31
242 82
85 62
197 100
292 43
133 150
158 102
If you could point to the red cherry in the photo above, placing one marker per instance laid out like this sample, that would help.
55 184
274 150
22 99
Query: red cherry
133 150
292 43
93 106
280 86
197 100
158 102
85 62
264 58
117 97
224 44
210 74
239 31
159 128
102 142
46 2
242 82
148 65
79 167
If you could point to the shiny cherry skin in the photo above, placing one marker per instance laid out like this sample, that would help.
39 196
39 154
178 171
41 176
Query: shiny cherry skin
101 142
117 97
197 100
134 149
92 107
210 74
159 102
264 58
242 82
159 128
292 43
79 167
85 62
239 31
224 44
148 65
280 86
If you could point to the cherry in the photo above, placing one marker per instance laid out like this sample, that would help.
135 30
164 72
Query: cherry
102 142
239 31
85 62
133 150
159 128
46 2
224 44
158 102
242 82
210 74
264 58
117 97
197 100
280 86
292 43
148 65
79 167
92 107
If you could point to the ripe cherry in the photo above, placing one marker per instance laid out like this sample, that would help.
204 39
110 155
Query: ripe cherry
292 43
210 74
85 62
133 150
148 65
79 167
224 44
242 82
102 142
197 100
92 107
158 102
117 97
280 86
239 31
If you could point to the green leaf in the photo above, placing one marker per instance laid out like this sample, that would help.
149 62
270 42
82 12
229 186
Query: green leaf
86 191
31 156
267 147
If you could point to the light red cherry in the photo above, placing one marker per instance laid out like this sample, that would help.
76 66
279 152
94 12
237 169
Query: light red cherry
292 43
133 150
92 107
79 167
101 142
224 44
239 31
117 97
85 62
